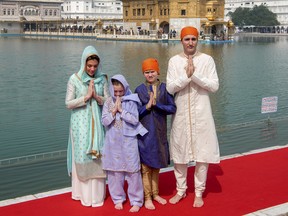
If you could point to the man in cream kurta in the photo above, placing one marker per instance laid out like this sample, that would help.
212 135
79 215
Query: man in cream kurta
191 76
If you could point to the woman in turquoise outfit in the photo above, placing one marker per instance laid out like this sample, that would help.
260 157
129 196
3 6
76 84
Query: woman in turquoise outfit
86 92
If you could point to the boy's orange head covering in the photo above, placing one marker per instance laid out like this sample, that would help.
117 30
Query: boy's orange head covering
189 30
150 64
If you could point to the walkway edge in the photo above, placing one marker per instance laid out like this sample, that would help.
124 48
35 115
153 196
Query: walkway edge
279 210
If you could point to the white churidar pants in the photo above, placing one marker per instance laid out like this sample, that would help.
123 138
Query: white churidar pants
200 177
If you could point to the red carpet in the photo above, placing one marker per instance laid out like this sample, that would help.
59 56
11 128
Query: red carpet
235 187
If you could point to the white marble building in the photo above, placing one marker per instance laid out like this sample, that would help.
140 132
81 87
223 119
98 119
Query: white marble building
92 9
14 14
279 7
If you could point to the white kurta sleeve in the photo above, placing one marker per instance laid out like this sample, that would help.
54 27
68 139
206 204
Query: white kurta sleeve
176 79
71 101
207 79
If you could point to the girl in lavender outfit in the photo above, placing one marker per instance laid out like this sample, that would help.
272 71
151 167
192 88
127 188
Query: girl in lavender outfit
120 155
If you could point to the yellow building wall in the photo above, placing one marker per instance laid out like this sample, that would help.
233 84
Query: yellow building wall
171 14
133 9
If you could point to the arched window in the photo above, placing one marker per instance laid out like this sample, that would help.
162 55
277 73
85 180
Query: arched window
13 12
4 11
50 12
46 12
55 12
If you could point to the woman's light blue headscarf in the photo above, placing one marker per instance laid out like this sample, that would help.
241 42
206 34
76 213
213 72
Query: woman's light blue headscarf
89 51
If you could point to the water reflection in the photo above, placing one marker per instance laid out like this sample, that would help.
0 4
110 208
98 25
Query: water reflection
263 39
269 131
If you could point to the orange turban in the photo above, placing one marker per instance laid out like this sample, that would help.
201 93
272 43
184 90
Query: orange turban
150 64
189 30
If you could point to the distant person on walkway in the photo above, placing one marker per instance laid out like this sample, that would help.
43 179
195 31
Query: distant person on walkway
86 92
157 103
191 76
120 156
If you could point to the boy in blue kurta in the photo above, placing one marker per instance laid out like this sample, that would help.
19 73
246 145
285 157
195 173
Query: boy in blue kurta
157 103
120 155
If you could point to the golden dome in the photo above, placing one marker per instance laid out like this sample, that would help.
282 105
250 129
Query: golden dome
230 23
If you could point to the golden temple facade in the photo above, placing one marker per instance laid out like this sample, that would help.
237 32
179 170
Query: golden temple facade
170 15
